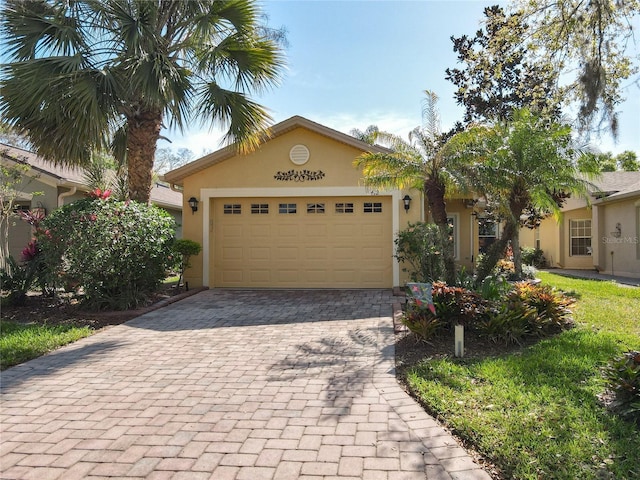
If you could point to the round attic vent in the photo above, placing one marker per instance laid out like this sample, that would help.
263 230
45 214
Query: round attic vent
299 154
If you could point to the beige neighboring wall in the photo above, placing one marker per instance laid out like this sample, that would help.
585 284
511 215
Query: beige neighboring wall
619 249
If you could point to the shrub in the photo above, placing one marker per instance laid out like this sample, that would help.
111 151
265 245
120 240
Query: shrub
623 377
553 309
16 279
533 256
419 247
527 310
509 322
457 305
117 251
494 288
183 250
422 322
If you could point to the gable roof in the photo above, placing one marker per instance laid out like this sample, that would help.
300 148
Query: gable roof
69 177
616 185
179 174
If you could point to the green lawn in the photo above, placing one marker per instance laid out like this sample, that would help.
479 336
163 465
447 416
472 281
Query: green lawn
536 414
19 342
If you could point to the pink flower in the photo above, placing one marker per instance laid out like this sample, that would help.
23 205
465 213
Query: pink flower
30 251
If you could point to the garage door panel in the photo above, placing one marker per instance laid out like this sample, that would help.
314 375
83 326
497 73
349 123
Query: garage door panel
230 276
304 249
316 253
260 276
344 253
260 230
288 277
286 253
314 231
232 231
260 253
316 276
232 253
372 230
287 232
344 230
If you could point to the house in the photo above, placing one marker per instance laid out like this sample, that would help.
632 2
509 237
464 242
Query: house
603 236
295 213
48 186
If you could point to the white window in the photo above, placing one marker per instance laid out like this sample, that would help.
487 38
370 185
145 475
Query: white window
487 234
344 207
315 207
579 237
259 208
453 233
232 209
287 208
372 207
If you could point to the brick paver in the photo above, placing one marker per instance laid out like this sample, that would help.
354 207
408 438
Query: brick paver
228 385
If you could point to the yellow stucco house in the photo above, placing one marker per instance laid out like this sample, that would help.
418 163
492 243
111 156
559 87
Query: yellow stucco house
604 236
295 213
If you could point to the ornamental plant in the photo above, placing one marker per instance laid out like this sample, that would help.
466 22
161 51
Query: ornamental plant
418 247
118 252
623 377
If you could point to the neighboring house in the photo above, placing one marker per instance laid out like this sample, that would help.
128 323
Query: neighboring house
48 186
296 214
604 236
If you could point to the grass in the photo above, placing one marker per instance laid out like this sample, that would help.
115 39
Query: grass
537 414
22 342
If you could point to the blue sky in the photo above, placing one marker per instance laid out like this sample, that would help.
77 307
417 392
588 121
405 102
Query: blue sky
351 64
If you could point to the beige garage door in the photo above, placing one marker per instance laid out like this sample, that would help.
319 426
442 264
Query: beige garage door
326 242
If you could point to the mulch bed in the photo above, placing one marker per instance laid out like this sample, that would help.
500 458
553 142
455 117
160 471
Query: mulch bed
65 310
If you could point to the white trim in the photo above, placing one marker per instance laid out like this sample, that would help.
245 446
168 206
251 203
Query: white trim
456 234
206 194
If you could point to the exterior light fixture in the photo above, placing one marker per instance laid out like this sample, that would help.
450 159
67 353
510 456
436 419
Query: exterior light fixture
618 231
193 203
407 202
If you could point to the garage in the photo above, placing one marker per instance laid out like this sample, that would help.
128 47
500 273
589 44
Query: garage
302 242
295 212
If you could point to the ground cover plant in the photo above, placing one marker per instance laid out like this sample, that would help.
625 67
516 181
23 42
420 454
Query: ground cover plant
541 410
21 342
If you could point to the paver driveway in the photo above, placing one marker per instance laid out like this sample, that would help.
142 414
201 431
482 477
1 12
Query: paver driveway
228 385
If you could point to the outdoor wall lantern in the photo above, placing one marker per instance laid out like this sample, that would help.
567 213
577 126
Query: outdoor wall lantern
407 202
618 232
193 203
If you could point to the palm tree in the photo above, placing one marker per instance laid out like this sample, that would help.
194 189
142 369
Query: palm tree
417 163
92 75
519 165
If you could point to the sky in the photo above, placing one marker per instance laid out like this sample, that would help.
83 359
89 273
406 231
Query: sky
355 63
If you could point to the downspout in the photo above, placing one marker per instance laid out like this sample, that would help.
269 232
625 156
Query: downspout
63 195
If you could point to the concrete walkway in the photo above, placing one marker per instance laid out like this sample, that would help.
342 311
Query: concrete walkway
240 385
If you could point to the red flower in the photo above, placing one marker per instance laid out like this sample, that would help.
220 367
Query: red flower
97 193
30 251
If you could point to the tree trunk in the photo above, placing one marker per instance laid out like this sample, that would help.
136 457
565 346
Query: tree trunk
511 233
517 202
495 253
434 191
143 131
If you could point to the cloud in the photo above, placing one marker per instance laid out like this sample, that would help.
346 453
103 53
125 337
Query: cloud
391 122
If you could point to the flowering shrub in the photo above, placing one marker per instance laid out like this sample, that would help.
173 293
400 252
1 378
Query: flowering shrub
117 251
